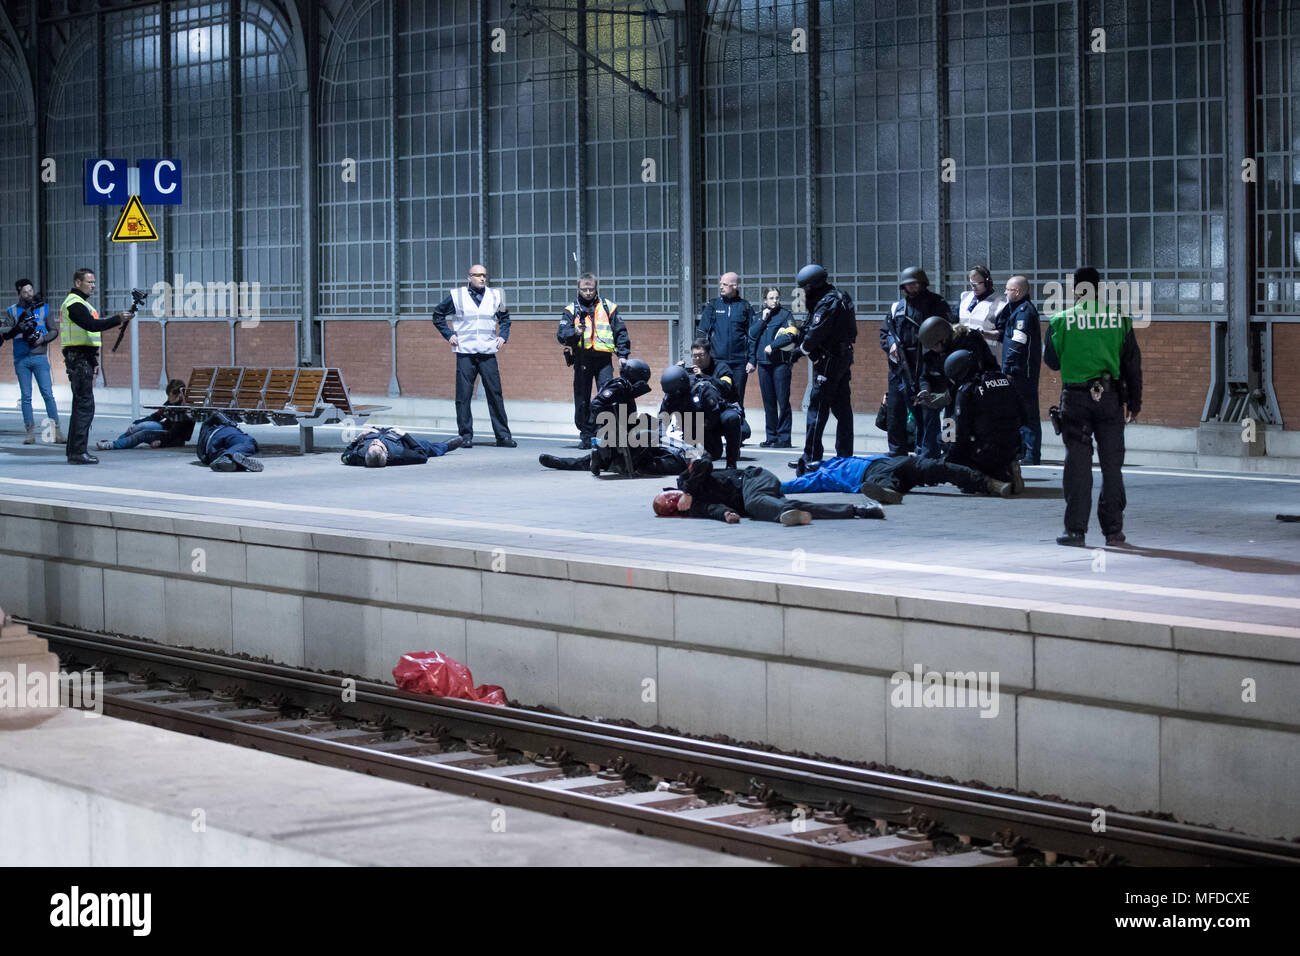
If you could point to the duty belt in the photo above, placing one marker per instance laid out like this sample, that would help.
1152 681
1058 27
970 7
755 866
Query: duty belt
1097 387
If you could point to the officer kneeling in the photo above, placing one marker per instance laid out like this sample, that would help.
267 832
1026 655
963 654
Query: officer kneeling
987 417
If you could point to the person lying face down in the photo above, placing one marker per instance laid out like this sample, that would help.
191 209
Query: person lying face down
380 446
887 478
728 494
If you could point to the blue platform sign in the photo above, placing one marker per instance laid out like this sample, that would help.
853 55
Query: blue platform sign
105 182
160 181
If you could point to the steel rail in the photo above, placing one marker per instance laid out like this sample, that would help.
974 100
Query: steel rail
1062 828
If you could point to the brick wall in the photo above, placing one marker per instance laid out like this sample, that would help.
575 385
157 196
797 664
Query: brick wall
1286 372
1175 362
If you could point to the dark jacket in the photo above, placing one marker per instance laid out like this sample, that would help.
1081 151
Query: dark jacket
963 337
988 417
569 336
403 448
761 334
1022 339
902 326
714 491
726 325
724 377
176 431
217 434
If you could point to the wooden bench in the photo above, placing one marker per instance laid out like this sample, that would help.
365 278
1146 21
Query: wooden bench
305 397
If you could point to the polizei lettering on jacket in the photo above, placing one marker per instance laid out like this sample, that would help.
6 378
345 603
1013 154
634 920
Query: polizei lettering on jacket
1084 320
75 908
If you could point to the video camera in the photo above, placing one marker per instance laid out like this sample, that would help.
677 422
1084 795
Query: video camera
137 299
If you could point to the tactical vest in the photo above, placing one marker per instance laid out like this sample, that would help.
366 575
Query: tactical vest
597 335
70 333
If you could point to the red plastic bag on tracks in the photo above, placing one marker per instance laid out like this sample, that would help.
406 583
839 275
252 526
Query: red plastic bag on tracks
431 672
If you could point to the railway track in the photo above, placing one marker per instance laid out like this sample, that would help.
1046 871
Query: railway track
753 803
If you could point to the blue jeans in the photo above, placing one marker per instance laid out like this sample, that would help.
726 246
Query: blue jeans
26 367
140 434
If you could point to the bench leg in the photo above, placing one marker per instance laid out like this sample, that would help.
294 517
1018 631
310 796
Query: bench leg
305 440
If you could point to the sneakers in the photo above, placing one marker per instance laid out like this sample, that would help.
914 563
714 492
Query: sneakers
886 496
223 463
1071 539
103 445
1003 489
245 462
873 510
793 516
1017 480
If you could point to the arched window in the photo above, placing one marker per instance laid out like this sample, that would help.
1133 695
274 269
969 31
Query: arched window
1277 152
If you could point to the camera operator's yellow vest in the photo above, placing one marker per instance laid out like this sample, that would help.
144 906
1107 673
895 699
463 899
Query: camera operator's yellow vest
597 335
70 333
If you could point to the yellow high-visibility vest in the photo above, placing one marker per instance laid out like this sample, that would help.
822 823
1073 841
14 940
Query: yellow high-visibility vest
597 335
70 333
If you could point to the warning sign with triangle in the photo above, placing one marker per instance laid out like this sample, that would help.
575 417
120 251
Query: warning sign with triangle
134 224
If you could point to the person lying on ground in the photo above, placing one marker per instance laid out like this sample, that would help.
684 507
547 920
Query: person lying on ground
887 478
380 447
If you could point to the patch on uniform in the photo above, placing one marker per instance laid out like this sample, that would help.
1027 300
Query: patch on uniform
1020 324
1019 337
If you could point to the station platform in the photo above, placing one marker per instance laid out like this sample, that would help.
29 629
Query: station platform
96 791
1163 675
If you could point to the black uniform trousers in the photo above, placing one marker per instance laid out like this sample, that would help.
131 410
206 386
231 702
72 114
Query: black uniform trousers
588 367
903 473
774 383
729 429
761 492
81 361
468 367
1081 419
831 397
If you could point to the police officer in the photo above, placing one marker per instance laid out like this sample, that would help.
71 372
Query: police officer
987 418
592 332
900 341
938 340
725 322
1022 350
698 399
80 328
827 339
1101 389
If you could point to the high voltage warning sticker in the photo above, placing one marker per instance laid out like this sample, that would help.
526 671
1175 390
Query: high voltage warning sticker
134 224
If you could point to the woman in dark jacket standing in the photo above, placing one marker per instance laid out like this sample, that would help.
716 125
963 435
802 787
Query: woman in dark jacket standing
774 367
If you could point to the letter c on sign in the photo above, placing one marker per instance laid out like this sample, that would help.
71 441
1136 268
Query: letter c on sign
94 177
157 177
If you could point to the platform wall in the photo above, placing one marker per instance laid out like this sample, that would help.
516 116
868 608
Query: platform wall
1139 714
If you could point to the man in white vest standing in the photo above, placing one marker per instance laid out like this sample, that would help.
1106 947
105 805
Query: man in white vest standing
480 325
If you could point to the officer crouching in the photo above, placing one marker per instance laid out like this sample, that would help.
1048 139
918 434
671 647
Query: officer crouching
1097 355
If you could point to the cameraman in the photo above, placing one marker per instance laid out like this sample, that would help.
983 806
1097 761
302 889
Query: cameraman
31 337
81 328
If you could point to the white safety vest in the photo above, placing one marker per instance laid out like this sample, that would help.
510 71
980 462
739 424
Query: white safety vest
475 325
979 317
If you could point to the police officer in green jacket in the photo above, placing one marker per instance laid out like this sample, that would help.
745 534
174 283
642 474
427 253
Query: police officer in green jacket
1096 352
80 328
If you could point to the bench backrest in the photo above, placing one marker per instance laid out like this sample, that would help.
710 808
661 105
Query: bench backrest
251 386
279 387
196 393
306 390
335 392
224 386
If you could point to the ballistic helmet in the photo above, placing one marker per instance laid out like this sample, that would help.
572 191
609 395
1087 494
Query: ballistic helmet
675 381
959 366
376 454
636 371
935 332
665 504
811 276
913 274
